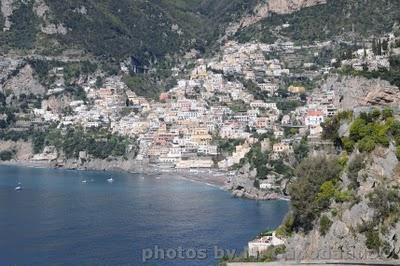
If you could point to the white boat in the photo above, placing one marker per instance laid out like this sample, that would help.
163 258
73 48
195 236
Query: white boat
110 180
84 181
18 188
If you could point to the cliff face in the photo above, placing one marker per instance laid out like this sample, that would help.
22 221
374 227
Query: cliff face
359 92
266 8
263 10
23 82
367 228
143 29
23 150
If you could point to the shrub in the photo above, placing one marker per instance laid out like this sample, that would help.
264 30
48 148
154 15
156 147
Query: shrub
398 152
387 113
345 115
326 194
386 203
312 173
367 144
6 155
348 144
373 240
324 224
286 227
343 160
343 196
355 166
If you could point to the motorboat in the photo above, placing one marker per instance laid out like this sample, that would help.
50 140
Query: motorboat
18 187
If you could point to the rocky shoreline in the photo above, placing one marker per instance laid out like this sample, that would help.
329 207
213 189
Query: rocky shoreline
212 177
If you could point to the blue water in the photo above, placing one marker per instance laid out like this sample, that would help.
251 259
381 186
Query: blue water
58 220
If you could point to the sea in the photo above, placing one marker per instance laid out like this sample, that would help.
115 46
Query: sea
65 217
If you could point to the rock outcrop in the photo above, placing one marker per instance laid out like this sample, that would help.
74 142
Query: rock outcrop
242 185
345 239
263 10
352 93
41 10
266 8
23 150
23 82
7 9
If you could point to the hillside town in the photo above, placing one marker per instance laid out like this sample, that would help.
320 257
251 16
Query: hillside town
233 96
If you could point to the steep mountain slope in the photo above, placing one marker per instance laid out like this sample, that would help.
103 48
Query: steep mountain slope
351 212
337 19
266 8
116 28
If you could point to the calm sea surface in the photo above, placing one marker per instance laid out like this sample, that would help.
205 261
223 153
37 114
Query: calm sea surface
59 220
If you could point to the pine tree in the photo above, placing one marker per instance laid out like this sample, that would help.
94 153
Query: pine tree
379 48
385 45
374 50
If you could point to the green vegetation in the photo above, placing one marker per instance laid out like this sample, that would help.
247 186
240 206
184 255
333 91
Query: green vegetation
258 160
373 240
24 29
366 132
392 75
314 189
286 228
15 135
96 143
324 224
71 71
286 106
301 150
238 106
329 191
228 145
146 30
142 85
6 155
386 203
355 166
332 125
351 19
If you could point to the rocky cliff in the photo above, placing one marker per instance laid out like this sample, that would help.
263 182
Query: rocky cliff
359 92
266 8
356 215
357 230
263 10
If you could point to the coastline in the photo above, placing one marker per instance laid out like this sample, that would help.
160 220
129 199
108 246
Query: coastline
210 177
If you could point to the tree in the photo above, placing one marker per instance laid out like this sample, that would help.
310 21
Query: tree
324 224
3 124
6 155
355 166
366 144
311 174
374 46
385 45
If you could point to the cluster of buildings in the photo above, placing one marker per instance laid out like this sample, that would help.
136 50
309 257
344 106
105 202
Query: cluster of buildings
185 127
249 61
377 57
